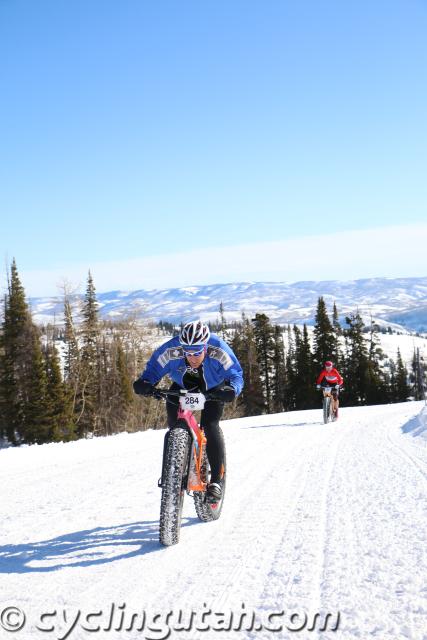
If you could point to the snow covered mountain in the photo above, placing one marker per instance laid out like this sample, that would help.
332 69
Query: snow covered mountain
317 519
399 302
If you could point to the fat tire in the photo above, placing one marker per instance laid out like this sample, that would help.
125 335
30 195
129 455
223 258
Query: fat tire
206 512
173 485
326 409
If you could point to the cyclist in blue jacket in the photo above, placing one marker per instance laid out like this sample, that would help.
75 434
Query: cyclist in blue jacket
198 360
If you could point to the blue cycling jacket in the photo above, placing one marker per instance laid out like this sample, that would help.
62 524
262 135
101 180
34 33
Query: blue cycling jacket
220 364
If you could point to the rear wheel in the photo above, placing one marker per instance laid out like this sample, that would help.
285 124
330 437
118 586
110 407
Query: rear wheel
173 484
207 511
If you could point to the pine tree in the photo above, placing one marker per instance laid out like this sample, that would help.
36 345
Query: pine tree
418 376
24 401
30 376
71 363
72 358
307 396
251 400
124 380
289 369
325 344
392 380
335 321
279 372
223 324
90 320
338 331
301 372
14 345
62 416
264 341
356 361
105 394
401 386
294 347
38 408
88 395
124 386
116 389
376 388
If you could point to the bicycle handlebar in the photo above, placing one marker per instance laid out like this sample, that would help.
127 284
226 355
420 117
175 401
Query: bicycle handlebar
329 386
165 394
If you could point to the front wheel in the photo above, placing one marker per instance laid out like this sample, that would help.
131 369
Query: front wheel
173 485
206 511
326 409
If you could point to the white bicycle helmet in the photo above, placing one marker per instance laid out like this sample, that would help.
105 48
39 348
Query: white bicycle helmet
194 334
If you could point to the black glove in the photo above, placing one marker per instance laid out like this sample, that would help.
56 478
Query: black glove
143 388
226 394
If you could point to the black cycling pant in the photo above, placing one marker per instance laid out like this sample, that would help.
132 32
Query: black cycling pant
209 421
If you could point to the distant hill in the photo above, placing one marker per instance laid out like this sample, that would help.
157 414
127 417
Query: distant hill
395 302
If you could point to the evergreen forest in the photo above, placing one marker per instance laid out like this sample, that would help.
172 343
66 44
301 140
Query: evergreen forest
74 380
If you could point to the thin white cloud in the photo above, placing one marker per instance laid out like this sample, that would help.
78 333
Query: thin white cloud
346 255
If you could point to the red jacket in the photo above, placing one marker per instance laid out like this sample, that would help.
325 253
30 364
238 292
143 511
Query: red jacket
331 377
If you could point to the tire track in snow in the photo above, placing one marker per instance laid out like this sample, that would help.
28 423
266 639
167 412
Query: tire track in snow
220 566
199 562
296 570
343 540
244 580
278 499
375 563
279 517
239 531
419 464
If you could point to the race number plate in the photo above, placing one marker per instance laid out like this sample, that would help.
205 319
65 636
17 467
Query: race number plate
192 401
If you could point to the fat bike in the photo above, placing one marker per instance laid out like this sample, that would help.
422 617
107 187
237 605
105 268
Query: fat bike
329 415
185 466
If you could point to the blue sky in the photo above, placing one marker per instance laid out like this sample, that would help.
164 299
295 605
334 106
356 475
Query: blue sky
137 133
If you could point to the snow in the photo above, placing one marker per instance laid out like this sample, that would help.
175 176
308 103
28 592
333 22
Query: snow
417 425
317 518
389 301
406 343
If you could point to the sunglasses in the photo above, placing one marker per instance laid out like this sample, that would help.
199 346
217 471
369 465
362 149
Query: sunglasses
194 353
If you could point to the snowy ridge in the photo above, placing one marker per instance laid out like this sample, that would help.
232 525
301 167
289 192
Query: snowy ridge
395 302
317 518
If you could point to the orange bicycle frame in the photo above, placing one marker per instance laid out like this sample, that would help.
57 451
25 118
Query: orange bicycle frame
195 480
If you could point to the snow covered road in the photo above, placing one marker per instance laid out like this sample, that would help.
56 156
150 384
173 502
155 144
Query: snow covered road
317 519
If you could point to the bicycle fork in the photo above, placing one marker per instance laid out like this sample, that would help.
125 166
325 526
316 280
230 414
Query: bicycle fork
192 478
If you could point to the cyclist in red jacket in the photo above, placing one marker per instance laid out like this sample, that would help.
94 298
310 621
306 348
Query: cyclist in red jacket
330 377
